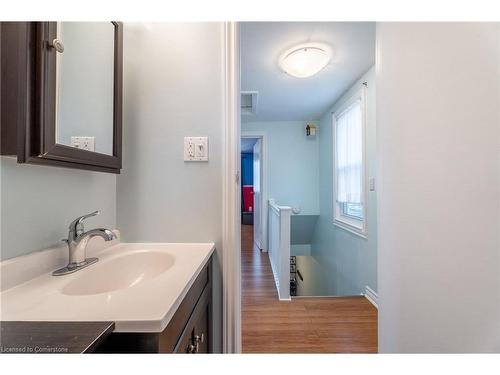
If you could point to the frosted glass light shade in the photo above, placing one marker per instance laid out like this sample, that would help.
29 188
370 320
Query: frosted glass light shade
305 60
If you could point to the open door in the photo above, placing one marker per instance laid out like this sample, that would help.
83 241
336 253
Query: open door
257 195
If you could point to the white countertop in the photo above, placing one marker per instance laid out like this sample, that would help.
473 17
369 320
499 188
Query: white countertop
146 306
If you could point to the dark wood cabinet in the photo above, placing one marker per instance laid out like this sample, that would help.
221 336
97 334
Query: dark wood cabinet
29 100
196 335
52 337
189 330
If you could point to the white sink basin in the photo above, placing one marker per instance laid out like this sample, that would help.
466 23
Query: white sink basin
121 272
139 286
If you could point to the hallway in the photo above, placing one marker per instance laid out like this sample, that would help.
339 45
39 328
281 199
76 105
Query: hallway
304 325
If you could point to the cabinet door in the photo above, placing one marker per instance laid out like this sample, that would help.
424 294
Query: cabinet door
201 331
196 336
62 111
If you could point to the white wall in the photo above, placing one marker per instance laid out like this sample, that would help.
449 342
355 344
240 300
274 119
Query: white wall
438 187
172 89
349 262
39 202
314 280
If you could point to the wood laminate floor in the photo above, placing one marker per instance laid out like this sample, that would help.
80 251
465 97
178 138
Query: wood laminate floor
304 325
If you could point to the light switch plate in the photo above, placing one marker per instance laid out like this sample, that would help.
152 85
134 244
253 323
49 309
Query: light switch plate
195 148
85 143
372 184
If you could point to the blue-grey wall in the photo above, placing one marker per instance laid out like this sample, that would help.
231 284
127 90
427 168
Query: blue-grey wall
38 203
292 163
160 198
349 261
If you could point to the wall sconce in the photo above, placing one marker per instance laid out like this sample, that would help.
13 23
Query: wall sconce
310 130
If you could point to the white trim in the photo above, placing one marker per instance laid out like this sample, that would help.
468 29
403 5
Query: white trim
340 221
280 257
277 283
262 135
349 228
231 241
371 296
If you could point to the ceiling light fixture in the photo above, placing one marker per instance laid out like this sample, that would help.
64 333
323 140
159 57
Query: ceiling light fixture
305 60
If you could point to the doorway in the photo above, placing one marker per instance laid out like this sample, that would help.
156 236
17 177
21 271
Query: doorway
292 150
253 188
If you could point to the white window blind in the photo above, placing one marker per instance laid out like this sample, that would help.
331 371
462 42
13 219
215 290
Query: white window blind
349 154
349 192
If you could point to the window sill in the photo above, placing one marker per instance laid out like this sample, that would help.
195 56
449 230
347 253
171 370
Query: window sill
358 232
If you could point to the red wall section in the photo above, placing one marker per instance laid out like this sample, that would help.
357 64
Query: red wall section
247 198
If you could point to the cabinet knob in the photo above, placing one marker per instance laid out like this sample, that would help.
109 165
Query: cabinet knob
195 346
57 45
199 338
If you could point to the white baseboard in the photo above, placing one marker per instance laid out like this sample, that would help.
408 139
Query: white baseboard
371 296
257 248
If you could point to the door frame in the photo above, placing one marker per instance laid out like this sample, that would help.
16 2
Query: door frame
231 195
262 135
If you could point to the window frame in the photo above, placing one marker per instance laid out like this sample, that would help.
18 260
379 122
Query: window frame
348 222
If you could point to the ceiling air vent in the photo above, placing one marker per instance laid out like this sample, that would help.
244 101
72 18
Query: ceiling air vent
249 100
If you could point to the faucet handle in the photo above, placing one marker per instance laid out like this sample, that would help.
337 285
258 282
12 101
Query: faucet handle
77 224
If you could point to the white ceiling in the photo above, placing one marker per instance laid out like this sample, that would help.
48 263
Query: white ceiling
286 98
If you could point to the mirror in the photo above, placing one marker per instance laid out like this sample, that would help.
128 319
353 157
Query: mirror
85 77
66 86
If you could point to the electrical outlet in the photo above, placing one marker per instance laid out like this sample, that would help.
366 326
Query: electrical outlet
191 149
195 148
88 143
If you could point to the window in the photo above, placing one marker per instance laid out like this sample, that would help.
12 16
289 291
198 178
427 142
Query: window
349 173
354 210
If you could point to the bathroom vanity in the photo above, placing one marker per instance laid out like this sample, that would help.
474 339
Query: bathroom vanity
189 330
156 297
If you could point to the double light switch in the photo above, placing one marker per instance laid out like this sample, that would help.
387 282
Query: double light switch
195 148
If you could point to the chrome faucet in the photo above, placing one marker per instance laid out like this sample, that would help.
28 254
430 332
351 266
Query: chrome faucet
77 243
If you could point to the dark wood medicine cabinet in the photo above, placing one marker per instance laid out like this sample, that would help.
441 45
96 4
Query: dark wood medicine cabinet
29 94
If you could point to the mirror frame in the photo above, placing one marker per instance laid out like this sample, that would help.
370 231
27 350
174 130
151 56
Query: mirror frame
39 133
